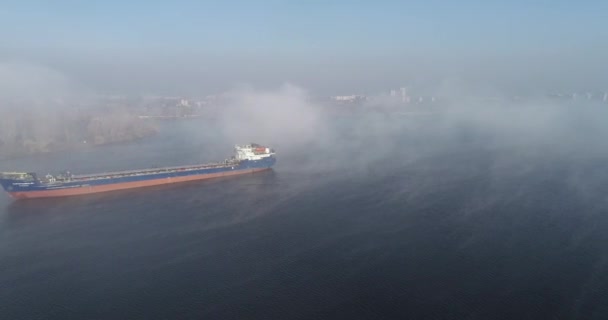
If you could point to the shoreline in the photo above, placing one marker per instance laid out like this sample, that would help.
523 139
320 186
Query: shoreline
73 147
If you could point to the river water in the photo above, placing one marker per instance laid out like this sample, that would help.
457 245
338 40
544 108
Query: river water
425 226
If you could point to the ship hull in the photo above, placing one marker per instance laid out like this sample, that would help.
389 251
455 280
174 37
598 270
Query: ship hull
90 189
23 189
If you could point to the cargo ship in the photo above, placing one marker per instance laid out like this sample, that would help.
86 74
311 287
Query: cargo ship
247 159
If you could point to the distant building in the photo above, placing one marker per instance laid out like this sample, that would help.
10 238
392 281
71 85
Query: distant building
605 97
350 98
404 97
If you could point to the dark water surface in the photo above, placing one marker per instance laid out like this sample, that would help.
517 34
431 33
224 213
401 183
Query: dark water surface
423 228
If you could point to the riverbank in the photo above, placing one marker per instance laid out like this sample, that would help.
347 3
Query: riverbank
22 134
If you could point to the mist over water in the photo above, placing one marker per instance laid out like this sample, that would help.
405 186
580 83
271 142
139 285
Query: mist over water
482 197
478 209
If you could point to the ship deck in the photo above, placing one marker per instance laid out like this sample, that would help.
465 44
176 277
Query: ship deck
150 171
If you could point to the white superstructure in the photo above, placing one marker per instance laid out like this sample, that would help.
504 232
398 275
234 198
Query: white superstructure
252 151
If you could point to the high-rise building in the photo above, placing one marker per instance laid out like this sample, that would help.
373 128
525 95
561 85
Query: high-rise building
605 96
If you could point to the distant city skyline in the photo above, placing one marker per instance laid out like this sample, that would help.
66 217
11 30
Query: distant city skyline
198 47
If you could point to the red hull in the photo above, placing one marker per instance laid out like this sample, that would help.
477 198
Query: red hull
123 186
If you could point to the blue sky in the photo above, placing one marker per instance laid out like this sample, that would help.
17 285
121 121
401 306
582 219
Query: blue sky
336 45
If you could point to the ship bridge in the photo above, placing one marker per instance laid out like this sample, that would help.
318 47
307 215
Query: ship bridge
252 151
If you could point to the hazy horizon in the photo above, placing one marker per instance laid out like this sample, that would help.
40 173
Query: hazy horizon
197 48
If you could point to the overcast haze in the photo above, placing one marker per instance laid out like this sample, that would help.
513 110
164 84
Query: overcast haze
329 47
